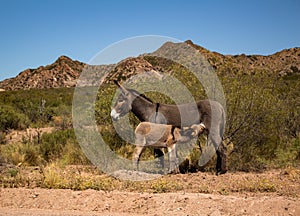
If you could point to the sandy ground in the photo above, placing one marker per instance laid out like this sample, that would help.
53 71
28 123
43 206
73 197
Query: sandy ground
38 201
274 192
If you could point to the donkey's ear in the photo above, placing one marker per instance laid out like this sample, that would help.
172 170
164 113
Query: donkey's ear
123 89
117 83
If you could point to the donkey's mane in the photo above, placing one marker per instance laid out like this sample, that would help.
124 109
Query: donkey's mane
139 94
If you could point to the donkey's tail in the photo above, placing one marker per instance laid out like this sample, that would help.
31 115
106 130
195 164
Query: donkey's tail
223 123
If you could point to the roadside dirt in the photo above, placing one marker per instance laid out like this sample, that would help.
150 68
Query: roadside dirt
39 201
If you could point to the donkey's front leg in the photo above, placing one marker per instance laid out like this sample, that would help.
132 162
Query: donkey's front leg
159 153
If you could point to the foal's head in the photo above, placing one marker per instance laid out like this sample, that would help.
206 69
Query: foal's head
194 131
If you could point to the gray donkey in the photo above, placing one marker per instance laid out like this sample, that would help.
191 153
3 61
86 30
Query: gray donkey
210 113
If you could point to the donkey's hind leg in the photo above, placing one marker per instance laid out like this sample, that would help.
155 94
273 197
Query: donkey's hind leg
221 149
221 159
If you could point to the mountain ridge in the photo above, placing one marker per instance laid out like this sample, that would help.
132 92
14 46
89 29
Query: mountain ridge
64 72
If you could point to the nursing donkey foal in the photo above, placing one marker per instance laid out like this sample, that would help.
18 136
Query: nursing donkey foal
163 136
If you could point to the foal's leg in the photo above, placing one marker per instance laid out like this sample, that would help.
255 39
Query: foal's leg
173 160
136 156
140 143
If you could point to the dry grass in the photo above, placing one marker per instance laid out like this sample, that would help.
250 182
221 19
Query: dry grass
283 182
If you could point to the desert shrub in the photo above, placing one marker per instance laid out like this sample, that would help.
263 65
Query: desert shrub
73 155
19 153
31 155
56 146
62 146
62 119
38 105
2 137
258 120
51 145
287 155
53 177
10 119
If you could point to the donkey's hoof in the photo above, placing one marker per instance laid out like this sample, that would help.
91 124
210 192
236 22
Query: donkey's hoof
175 171
221 172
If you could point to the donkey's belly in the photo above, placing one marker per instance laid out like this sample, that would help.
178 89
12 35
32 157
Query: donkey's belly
159 145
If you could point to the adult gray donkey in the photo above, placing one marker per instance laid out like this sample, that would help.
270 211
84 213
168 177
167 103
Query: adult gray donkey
208 112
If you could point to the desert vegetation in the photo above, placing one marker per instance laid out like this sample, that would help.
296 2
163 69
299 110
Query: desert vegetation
262 122
262 130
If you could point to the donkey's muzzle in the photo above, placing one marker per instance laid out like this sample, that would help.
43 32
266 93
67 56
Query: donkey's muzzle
114 115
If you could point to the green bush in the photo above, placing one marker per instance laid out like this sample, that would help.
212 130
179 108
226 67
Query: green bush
51 145
10 119
2 137
73 155
21 154
37 106
259 125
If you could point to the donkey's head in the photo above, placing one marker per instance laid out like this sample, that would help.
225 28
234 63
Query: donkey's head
123 103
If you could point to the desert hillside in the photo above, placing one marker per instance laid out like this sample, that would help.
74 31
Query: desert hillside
64 71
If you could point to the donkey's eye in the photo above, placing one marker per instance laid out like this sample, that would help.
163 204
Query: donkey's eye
121 100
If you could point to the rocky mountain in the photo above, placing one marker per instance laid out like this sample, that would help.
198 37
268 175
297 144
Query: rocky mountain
64 72
283 63
130 67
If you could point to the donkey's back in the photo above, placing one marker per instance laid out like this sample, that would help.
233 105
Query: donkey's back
185 115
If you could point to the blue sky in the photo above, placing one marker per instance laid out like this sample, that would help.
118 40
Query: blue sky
37 32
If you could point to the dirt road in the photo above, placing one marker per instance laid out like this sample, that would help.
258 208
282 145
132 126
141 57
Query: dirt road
274 192
38 201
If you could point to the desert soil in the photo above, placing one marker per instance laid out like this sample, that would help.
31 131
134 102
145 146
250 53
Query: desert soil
41 201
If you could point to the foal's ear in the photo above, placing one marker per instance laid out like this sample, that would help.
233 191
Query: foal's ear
187 131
